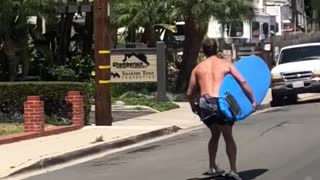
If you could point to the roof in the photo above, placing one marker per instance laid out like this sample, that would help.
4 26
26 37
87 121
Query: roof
301 45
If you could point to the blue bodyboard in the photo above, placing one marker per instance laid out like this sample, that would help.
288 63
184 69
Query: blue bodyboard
235 104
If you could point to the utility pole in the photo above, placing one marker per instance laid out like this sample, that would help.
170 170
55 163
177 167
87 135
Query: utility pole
102 41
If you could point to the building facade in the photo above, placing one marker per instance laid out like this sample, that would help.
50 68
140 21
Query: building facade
256 29
272 17
290 14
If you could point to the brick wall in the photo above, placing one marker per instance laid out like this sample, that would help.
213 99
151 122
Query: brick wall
34 116
75 98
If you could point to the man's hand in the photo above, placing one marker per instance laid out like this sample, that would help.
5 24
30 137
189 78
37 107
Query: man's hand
191 92
244 86
254 106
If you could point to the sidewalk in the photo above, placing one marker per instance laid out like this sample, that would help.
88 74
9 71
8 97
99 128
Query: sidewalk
42 152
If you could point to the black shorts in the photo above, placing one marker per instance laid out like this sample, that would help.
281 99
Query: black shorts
209 112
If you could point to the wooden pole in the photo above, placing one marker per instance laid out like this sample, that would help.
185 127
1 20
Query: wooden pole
102 43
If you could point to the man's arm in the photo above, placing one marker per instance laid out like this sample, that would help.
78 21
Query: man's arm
191 90
243 83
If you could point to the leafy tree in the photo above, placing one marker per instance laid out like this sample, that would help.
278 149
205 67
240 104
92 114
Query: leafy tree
140 13
14 30
229 11
315 4
196 14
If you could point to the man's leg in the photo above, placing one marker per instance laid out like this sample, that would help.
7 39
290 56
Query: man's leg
213 145
231 147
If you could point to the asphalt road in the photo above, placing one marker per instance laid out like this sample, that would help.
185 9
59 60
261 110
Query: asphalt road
281 145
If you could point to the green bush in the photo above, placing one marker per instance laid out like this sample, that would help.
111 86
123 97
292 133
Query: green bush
14 94
118 90
144 88
152 103
62 73
83 66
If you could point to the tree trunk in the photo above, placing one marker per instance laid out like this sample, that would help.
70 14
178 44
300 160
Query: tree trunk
223 25
25 59
3 66
10 49
131 38
88 39
114 37
150 37
64 41
191 49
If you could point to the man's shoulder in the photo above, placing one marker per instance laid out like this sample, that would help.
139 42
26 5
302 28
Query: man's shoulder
223 62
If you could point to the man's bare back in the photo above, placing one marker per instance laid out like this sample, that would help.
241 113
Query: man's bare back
210 74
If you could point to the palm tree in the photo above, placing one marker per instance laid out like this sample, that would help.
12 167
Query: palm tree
196 14
139 13
230 12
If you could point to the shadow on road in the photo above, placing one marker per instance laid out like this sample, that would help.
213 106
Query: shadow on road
245 175
302 102
251 174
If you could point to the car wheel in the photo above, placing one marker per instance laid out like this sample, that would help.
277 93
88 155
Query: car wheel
292 99
277 100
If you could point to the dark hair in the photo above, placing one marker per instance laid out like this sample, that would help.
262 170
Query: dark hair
210 47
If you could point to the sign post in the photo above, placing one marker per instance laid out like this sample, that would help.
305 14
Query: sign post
102 43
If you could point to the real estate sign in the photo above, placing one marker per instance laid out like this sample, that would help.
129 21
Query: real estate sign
133 68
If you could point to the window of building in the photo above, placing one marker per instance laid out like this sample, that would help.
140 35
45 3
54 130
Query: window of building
274 28
255 29
236 29
265 29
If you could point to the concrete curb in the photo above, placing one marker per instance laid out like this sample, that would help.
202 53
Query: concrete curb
47 162
263 106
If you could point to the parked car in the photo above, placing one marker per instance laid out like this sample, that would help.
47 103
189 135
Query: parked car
297 71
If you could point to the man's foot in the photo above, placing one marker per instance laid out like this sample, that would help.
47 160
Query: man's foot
233 175
215 171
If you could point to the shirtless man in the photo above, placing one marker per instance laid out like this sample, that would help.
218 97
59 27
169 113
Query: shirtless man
206 78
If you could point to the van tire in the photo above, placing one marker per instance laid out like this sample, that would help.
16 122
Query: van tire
277 100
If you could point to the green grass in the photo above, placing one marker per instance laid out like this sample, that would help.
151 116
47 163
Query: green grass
7 129
160 106
10 128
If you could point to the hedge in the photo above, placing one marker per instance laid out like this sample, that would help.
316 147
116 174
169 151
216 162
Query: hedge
14 94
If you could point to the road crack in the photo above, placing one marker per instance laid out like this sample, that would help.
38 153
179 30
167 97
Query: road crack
273 127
